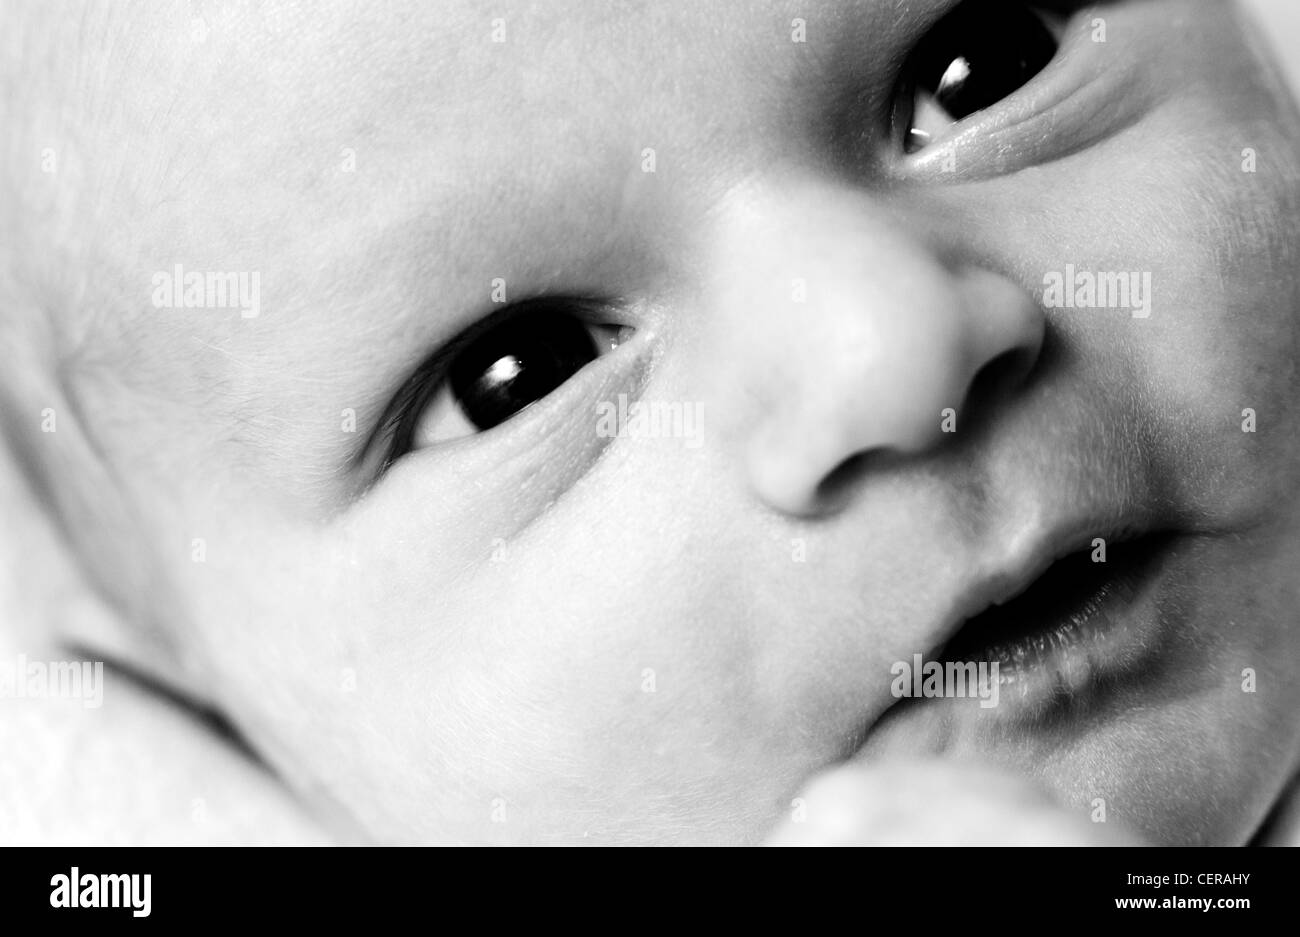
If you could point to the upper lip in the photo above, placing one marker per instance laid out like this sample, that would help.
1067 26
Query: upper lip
1023 564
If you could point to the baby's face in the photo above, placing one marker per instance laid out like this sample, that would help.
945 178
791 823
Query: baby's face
449 620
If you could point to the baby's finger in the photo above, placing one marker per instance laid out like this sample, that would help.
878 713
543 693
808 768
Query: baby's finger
934 803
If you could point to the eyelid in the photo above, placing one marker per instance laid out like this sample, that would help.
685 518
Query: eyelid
1078 99
903 111
527 465
442 417
399 422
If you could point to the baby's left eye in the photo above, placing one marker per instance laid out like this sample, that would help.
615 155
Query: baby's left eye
982 52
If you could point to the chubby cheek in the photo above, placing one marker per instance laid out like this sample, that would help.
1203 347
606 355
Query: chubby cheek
1226 328
467 667
584 678
1209 248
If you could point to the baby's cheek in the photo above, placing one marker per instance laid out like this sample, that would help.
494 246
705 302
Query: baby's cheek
427 670
390 654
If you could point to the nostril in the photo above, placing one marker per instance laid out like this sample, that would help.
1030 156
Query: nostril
835 488
838 486
1003 375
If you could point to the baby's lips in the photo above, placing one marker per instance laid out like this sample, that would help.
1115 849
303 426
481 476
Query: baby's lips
934 803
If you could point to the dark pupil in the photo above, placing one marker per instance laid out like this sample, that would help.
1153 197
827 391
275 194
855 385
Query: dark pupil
519 363
981 53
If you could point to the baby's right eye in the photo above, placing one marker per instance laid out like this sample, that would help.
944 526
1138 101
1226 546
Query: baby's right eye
485 380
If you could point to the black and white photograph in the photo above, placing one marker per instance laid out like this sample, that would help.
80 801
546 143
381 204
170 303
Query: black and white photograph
433 423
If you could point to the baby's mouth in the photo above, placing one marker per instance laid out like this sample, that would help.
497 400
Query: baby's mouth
1090 619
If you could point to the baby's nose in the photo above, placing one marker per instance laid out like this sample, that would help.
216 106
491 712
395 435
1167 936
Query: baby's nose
855 334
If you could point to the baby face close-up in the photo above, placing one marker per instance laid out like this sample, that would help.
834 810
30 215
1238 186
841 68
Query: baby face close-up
621 403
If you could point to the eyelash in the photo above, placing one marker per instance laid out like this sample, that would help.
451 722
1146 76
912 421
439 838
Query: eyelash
402 419
398 424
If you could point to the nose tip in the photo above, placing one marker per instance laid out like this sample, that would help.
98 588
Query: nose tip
903 393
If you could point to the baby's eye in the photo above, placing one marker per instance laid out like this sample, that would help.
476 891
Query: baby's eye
484 381
982 52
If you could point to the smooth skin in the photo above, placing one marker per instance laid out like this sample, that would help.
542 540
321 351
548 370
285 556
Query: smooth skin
540 636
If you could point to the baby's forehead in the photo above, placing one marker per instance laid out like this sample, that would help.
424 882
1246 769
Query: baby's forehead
368 159
431 85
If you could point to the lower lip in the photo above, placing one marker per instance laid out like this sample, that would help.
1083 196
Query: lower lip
1056 646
